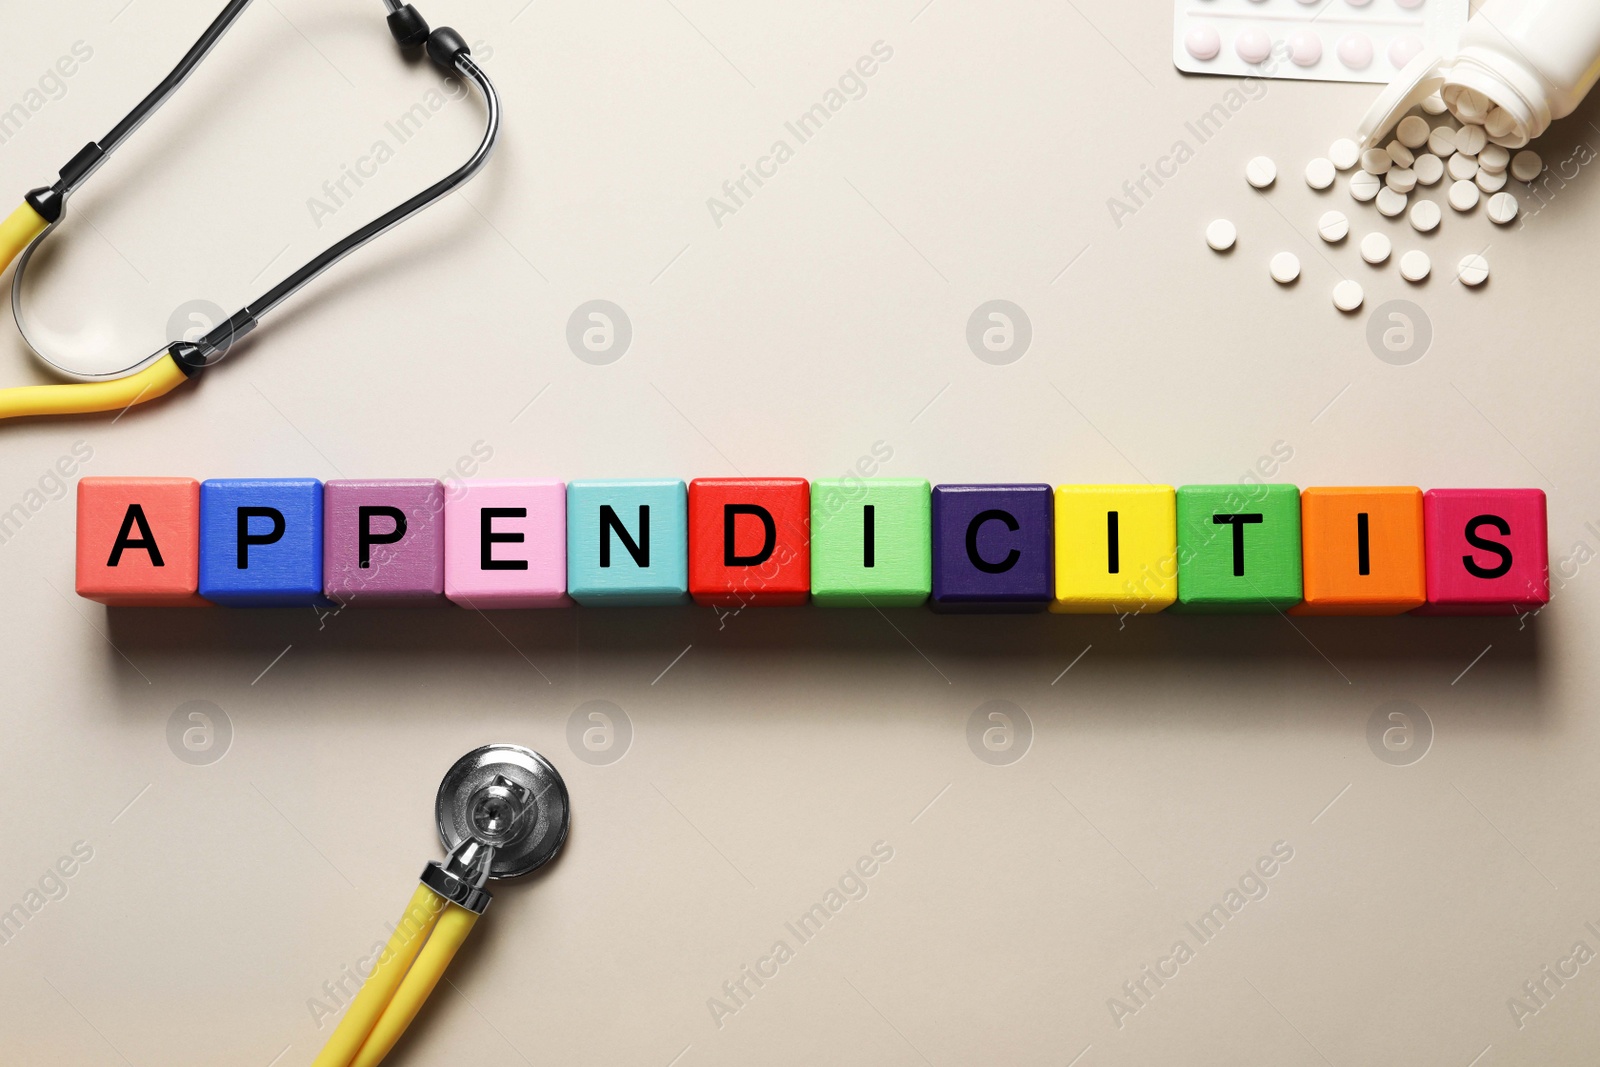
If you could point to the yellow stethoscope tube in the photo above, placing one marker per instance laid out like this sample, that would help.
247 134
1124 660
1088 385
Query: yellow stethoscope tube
427 938
17 232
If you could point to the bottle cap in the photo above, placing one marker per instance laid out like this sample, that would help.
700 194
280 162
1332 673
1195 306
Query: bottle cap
1417 80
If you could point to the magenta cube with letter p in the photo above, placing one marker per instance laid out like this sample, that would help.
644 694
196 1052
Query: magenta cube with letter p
506 544
383 542
1487 551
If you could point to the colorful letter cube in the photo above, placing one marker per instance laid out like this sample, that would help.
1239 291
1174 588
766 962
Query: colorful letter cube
383 541
1361 550
628 542
871 542
139 541
505 544
261 542
1238 548
992 547
1116 549
749 541
1488 551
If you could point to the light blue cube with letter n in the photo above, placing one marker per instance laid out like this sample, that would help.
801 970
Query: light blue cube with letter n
261 542
628 542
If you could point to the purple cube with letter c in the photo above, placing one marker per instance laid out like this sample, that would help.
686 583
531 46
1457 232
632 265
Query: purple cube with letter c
993 547
383 541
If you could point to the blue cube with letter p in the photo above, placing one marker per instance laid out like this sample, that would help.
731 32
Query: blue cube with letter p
261 542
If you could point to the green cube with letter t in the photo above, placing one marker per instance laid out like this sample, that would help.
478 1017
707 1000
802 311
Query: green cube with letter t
1238 548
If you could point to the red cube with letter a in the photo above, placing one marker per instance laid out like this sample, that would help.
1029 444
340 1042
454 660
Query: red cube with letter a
749 541
139 541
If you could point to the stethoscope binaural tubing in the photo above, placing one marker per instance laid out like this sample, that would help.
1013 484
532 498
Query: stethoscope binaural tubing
444 46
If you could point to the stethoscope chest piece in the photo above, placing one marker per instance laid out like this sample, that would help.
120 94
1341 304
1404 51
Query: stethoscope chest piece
509 802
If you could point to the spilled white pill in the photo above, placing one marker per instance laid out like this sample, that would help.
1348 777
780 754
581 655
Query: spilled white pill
1429 169
1464 196
1425 216
1376 161
1493 158
1434 104
1221 234
1364 185
1320 173
1471 139
1261 172
1375 248
1333 226
1502 208
1347 295
1473 270
1442 141
1402 156
1462 167
1415 265
1490 181
1526 165
1285 267
1401 179
1391 203
1413 131
1344 153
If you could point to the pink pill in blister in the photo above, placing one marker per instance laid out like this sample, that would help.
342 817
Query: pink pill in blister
1203 42
1305 48
1404 48
1355 51
1358 3
1253 46
1409 4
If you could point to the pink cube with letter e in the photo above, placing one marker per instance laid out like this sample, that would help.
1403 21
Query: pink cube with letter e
1487 551
506 544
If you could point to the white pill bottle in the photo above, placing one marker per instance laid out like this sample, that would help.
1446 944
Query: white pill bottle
1531 61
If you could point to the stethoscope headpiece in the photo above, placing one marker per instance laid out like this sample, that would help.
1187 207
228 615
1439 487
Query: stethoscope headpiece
503 812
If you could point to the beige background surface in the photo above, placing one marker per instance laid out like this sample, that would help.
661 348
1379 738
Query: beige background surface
771 750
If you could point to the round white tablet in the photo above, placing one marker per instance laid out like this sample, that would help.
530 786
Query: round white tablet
1376 161
1364 185
1305 48
1320 173
1500 123
1285 267
1434 104
1463 196
1203 42
1413 131
1345 153
1401 179
1261 172
1526 165
1462 167
1402 156
1474 270
1375 248
1442 141
1502 208
1391 203
1221 234
1333 226
1415 265
1429 169
1471 139
1425 216
1493 157
1347 295
1490 181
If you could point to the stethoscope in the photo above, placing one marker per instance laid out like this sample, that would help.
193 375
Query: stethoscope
166 369
503 812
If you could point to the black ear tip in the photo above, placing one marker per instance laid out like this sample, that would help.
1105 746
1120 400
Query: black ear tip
409 28
444 45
